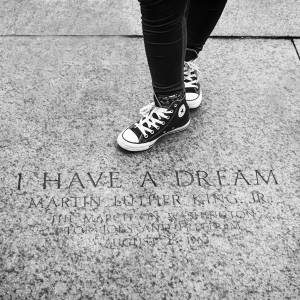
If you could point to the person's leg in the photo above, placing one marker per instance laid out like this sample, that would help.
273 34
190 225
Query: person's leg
164 31
202 17
163 27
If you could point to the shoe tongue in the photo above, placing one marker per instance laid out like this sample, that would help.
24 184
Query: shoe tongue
166 101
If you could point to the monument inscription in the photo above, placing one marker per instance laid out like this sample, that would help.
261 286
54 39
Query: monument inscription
182 178
184 209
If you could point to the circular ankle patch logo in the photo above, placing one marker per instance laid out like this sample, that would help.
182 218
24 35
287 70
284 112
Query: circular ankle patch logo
181 111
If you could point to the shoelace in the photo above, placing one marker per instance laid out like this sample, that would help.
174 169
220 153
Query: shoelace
190 75
150 120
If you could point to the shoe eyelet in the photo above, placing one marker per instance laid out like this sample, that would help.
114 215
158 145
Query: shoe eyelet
168 117
158 127
175 105
171 110
152 131
163 123
146 135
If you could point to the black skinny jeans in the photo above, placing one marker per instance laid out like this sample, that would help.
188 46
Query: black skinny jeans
174 31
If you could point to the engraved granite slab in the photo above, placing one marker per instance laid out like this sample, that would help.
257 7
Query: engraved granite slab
209 213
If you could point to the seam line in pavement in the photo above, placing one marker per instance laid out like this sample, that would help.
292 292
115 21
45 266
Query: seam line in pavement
296 49
281 37
268 37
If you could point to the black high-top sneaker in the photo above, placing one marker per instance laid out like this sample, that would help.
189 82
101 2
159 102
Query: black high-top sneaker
193 89
165 115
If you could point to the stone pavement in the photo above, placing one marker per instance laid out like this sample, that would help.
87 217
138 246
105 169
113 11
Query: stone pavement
210 213
241 17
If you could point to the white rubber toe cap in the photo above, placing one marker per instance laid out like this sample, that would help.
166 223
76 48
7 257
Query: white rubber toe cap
130 136
193 99
191 96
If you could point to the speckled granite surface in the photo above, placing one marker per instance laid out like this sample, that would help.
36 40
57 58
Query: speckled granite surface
241 17
210 213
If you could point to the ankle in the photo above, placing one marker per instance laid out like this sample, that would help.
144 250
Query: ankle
167 100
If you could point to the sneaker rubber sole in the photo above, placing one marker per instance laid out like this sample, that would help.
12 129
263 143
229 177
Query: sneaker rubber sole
192 104
145 146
